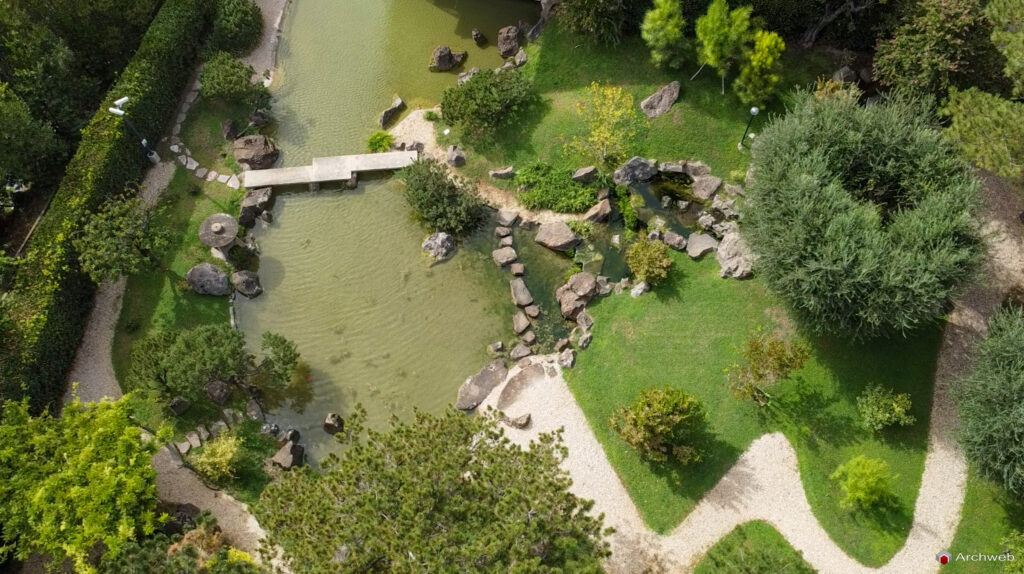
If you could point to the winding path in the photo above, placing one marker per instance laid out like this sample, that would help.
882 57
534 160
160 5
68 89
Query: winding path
764 484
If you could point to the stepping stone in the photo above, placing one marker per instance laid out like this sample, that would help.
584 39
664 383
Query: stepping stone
184 447
223 178
193 439
204 435
233 182
532 311
506 241
183 159
175 148
201 172
181 117
192 95
529 337
217 428
520 323
191 164
176 129
212 175
231 416
518 269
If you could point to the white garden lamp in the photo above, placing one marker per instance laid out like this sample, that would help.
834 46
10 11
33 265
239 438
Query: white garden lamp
753 112
117 111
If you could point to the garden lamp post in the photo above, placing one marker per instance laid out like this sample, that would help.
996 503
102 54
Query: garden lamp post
753 112
117 111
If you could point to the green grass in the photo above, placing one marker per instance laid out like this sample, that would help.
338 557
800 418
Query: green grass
703 124
202 135
753 548
989 514
690 330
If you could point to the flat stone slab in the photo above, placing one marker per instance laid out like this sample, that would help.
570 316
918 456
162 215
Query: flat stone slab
223 178
519 382
193 439
233 182
700 243
476 388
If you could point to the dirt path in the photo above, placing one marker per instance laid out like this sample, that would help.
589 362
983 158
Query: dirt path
764 484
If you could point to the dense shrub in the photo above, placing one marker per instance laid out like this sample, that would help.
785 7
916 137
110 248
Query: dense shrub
663 424
768 358
986 129
120 239
487 101
648 260
662 31
237 26
219 458
379 142
862 218
442 201
27 146
228 79
865 482
544 187
880 407
51 296
990 399
596 20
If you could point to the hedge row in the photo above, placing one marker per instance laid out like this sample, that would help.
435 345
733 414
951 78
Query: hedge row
51 297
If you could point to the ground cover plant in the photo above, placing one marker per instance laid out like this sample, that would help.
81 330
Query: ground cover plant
816 407
753 548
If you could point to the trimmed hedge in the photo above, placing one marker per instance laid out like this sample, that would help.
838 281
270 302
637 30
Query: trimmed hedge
51 297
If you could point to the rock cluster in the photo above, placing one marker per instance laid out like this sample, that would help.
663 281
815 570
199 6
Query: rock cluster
255 152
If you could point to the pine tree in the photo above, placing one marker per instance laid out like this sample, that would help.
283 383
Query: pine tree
759 76
662 30
722 37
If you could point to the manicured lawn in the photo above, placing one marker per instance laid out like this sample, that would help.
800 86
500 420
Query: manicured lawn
989 514
702 124
753 547
202 134
686 333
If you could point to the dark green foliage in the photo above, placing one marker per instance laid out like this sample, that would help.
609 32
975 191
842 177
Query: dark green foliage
237 26
487 102
648 260
280 360
120 239
768 358
439 494
880 407
27 145
662 424
69 483
545 187
182 362
753 548
862 218
228 79
596 20
51 296
624 201
443 202
990 401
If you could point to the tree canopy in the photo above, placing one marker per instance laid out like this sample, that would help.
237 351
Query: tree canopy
861 217
722 36
440 200
987 130
120 239
27 145
662 30
486 102
759 76
445 493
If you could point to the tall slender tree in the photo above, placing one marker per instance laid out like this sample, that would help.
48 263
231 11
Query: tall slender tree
662 30
722 37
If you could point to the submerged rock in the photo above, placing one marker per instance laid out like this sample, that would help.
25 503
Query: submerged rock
557 236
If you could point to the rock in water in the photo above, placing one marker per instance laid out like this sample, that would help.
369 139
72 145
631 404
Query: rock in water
660 102
557 236
290 456
520 294
247 283
508 41
208 279
334 424
503 256
476 388
255 152
439 245
254 204
636 170
478 37
443 59
734 257
392 112
507 217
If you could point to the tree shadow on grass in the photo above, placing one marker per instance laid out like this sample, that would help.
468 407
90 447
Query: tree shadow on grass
693 480
805 410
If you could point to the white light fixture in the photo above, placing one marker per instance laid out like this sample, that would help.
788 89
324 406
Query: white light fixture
116 111
121 101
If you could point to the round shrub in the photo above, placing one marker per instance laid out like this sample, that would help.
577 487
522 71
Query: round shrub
648 260
445 203
880 407
219 458
228 79
865 482
487 101
663 423
380 142
237 26
861 217
990 397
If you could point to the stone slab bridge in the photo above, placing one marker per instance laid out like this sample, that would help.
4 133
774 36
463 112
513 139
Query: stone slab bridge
328 169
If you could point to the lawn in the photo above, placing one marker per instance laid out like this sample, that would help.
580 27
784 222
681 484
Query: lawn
753 547
686 333
703 124
202 134
989 514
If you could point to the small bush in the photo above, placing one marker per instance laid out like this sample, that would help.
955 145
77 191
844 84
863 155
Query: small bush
648 260
584 229
431 116
596 20
237 27
380 142
443 202
228 79
663 423
768 359
865 482
548 188
487 102
880 407
219 458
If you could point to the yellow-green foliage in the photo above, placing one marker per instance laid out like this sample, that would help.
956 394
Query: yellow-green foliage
648 260
219 458
865 482
987 130
662 424
759 76
662 30
612 123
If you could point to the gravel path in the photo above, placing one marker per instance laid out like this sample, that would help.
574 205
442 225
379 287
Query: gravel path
263 57
764 484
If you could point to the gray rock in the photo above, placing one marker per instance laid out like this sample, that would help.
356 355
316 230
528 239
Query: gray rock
532 311
666 201
183 447
734 257
476 388
604 194
733 190
253 410
654 235
639 289
259 118
724 208
465 76
529 337
682 204
567 358
697 169
636 170
179 406
218 391
496 347
706 221
333 424
290 456
583 284
392 112
583 319
520 322
478 37
569 303
439 245
201 172
254 204
674 240
585 339
561 344
507 217
508 41
502 231
208 279
586 174
700 243
520 351
660 102
557 236
193 439
845 75
503 256
520 294
255 152
247 283
519 422
603 287
600 212
503 173
270 429
705 186
672 167
217 428
455 156
520 58
443 59
506 241
203 432
517 269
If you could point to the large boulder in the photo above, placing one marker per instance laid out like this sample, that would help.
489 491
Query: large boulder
218 391
635 170
255 152
508 41
455 156
254 204
705 186
439 245
520 293
557 236
392 112
734 257
583 284
600 212
208 279
660 102
724 208
443 59
575 294
700 243
586 174
290 456
476 388
247 283
504 256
